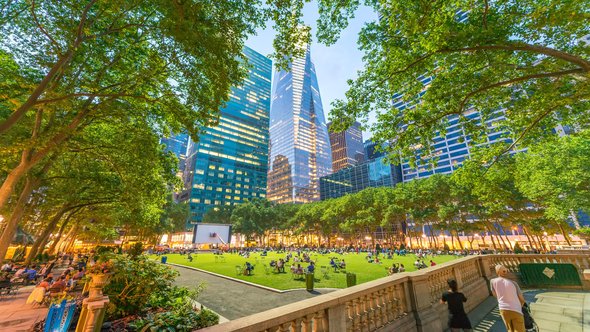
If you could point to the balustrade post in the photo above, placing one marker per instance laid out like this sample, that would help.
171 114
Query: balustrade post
337 318
427 317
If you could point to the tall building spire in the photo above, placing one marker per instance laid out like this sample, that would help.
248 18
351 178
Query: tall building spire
299 144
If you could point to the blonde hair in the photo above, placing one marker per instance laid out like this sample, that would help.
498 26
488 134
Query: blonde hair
500 268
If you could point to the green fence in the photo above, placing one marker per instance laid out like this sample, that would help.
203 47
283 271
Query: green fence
549 274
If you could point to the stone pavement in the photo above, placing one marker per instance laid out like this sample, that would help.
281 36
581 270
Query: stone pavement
553 311
16 315
232 299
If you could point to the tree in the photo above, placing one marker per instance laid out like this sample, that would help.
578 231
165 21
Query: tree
69 63
526 59
556 174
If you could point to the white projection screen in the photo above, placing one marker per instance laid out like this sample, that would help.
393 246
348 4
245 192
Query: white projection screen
212 234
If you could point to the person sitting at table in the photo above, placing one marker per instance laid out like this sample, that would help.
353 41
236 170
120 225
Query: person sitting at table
59 286
19 272
46 283
7 267
31 274
281 265
4 280
248 269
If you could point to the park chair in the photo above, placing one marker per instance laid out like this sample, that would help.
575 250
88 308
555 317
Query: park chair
239 270
325 272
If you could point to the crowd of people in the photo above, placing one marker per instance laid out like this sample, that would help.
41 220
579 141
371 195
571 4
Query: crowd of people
51 279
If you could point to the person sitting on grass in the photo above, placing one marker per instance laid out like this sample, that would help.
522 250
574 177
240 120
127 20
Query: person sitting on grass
281 266
248 269
342 264
299 269
401 268
432 263
189 257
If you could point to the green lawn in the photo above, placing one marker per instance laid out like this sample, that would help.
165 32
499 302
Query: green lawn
355 263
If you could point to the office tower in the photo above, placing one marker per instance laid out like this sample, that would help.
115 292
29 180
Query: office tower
229 164
347 147
299 144
178 145
371 151
371 173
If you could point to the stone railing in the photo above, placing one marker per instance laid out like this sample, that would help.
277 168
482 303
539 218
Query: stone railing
581 262
403 302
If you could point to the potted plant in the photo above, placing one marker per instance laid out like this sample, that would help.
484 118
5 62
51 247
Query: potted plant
100 274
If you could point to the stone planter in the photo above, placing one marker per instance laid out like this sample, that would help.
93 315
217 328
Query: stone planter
97 283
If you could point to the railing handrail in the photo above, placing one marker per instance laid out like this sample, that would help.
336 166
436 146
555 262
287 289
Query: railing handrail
285 313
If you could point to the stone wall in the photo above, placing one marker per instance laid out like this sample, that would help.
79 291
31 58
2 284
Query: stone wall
403 302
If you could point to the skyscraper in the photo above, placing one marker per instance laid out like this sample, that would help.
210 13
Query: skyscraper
178 145
347 147
299 144
229 164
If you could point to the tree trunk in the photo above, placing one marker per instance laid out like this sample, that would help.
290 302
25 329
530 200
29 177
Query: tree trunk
565 235
528 237
45 234
57 239
15 217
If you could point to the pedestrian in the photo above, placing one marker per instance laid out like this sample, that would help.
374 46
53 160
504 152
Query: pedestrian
510 300
454 299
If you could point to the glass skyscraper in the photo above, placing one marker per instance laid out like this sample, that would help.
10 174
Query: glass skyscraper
299 144
229 164
347 147
178 145
372 173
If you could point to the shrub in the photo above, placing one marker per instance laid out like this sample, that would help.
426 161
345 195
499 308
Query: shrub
135 282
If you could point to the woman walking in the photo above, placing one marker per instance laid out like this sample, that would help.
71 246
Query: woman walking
458 319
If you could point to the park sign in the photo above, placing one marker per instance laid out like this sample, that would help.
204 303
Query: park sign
549 274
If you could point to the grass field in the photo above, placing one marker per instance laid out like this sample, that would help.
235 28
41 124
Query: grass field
355 263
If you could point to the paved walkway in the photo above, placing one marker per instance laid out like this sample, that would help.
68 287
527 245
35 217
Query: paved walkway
16 315
553 311
232 299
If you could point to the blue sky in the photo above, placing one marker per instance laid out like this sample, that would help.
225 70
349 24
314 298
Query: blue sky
335 64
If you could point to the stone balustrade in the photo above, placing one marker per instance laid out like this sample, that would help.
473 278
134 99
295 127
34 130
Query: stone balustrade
402 302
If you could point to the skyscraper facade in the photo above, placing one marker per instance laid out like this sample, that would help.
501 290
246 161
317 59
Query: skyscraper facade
347 147
299 143
229 164
178 145
371 173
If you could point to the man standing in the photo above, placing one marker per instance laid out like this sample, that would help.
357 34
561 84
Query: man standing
510 300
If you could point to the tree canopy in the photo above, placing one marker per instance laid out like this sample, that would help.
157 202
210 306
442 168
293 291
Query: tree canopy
428 62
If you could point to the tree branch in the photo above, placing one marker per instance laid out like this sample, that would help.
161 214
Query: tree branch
515 80
584 64
53 41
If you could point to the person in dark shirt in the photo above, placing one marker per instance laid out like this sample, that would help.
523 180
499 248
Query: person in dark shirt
458 319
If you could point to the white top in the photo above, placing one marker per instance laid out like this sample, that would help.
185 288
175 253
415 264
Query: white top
507 293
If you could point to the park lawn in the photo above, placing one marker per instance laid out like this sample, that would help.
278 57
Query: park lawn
355 263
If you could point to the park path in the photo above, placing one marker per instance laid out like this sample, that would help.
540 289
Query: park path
232 299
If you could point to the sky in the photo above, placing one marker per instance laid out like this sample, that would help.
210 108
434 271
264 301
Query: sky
334 64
